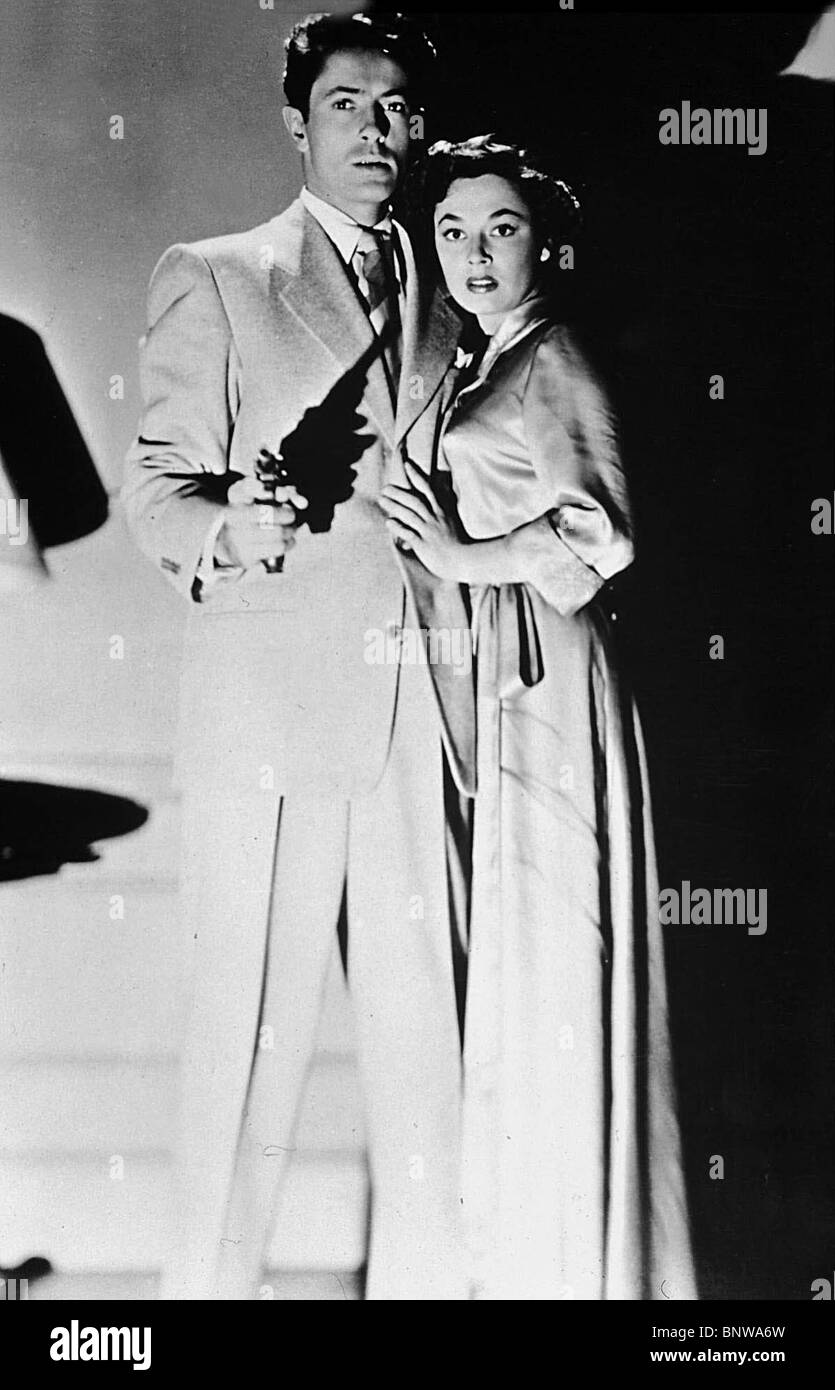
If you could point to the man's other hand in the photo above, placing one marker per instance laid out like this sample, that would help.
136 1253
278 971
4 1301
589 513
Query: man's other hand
259 524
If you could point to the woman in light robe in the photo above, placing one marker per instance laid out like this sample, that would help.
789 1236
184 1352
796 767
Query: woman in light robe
571 1171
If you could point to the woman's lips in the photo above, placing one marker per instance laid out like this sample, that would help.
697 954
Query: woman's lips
481 284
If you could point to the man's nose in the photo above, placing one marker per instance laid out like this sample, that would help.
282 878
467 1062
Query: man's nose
377 124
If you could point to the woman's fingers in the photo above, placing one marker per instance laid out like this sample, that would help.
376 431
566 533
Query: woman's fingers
407 513
395 496
420 482
402 535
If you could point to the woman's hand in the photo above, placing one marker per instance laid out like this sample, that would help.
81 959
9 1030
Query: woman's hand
418 523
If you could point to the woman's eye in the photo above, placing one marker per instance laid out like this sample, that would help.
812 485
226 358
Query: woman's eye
452 234
505 229
343 104
398 107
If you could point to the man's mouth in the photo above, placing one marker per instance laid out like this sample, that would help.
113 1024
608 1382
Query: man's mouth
481 284
373 161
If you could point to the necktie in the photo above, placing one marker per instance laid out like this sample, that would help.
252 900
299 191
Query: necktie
374 268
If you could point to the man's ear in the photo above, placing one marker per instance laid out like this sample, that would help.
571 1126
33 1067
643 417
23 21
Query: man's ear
296 127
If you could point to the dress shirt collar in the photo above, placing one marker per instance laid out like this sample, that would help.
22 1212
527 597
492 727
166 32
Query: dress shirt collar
343 230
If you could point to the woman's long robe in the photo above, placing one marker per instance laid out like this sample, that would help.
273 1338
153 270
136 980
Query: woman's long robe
572 1176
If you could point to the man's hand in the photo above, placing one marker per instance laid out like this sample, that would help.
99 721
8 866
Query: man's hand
259 525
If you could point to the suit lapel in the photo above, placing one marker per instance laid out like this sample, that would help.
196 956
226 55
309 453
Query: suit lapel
311 279
430 336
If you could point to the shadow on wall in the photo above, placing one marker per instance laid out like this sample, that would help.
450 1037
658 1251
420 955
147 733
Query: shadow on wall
44 827
49 488
50 494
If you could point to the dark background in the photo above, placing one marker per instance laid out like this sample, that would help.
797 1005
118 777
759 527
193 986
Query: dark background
701 260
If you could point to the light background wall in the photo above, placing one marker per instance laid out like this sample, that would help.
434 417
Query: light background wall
91 1008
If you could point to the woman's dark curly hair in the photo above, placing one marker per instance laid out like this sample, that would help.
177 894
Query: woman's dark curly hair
554 208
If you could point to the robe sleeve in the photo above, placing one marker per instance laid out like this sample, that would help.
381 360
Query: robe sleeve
586 538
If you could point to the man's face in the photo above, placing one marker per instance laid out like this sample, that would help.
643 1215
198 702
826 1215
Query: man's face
355 141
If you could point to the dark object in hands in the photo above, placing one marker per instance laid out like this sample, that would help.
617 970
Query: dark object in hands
272 472
317 458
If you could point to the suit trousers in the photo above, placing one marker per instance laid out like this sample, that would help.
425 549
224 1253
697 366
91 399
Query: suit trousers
265 880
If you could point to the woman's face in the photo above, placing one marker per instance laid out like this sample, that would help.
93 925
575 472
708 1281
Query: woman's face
487 247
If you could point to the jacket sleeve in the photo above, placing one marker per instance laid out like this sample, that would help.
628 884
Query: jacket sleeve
587 537
174 488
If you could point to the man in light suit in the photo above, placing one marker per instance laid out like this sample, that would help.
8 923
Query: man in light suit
319 786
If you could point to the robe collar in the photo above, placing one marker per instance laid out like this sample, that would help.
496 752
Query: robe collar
514 327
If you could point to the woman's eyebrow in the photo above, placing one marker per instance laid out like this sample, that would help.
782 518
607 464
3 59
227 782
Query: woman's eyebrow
505 212
449 217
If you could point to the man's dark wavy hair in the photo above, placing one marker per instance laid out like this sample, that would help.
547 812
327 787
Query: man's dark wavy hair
554 207
315 38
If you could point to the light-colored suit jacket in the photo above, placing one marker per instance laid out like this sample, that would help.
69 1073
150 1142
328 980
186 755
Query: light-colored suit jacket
252 338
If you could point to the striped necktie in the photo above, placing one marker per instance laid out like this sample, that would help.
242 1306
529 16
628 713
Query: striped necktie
373 266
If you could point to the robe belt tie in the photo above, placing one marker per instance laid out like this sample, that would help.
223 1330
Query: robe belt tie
506 639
